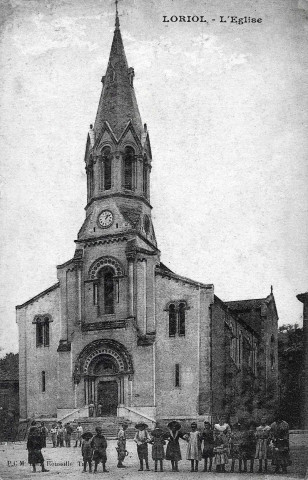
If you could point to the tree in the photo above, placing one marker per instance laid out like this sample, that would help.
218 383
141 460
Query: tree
291 370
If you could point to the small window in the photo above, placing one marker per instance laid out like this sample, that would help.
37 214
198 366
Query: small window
172 320
177 375
181 319
43 381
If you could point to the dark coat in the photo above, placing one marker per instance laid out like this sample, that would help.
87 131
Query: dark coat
99 445
34 446
173 451
208 443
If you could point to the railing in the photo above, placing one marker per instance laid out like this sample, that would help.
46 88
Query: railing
140 414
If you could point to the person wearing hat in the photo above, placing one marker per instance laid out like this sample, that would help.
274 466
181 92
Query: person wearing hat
99 445
173 451
87 450
208 446
194 447
158 443
142 438
34 447
121 448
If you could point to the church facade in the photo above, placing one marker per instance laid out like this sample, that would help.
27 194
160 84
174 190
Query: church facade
119 329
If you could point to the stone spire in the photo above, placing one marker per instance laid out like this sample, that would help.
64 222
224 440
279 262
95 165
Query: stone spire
118 102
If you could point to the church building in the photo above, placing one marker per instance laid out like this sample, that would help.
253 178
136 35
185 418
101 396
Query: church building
119 329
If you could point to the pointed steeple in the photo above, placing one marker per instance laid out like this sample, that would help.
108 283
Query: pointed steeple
118 102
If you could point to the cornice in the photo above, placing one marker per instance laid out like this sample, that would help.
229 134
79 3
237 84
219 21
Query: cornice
173 276
33 299
119 194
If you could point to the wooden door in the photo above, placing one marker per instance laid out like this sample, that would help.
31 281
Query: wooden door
107 396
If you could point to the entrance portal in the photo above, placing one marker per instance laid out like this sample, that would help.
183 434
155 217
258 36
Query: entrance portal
107 397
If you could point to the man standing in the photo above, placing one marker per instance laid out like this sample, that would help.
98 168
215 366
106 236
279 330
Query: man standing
43 433
68 434
79 431
121 449
281 452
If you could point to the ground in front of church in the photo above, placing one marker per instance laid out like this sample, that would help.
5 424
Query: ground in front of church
66 463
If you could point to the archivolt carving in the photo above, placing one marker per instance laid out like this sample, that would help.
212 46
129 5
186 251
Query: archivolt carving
105 261
103 347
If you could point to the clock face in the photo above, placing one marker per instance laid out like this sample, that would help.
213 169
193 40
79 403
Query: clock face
105 219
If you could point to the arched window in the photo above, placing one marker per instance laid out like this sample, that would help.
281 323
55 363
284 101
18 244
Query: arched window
42 331
145 176
106 168
129 157
181 314
106 290
172 320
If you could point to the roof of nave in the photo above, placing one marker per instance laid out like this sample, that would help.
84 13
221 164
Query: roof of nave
39 295
118 104
164 271
243 305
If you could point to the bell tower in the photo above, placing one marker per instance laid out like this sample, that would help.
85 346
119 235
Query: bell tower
118 156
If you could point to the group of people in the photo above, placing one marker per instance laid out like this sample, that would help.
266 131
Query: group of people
217 445
61 434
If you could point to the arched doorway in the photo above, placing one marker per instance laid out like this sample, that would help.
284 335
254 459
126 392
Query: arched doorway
105 371
105 367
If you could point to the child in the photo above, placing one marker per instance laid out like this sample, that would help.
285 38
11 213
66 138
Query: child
79 431
249 447
194 447
208 445
121 447
263 438
60 435
158 443
221 451
99 446
142 438
173 451
53 432
236 440
34 447
87 451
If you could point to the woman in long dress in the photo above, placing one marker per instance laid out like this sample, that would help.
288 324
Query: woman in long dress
173 451
221 451
34 447
263 438
158 442
194 447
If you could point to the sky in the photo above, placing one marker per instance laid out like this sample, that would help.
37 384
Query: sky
226 108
